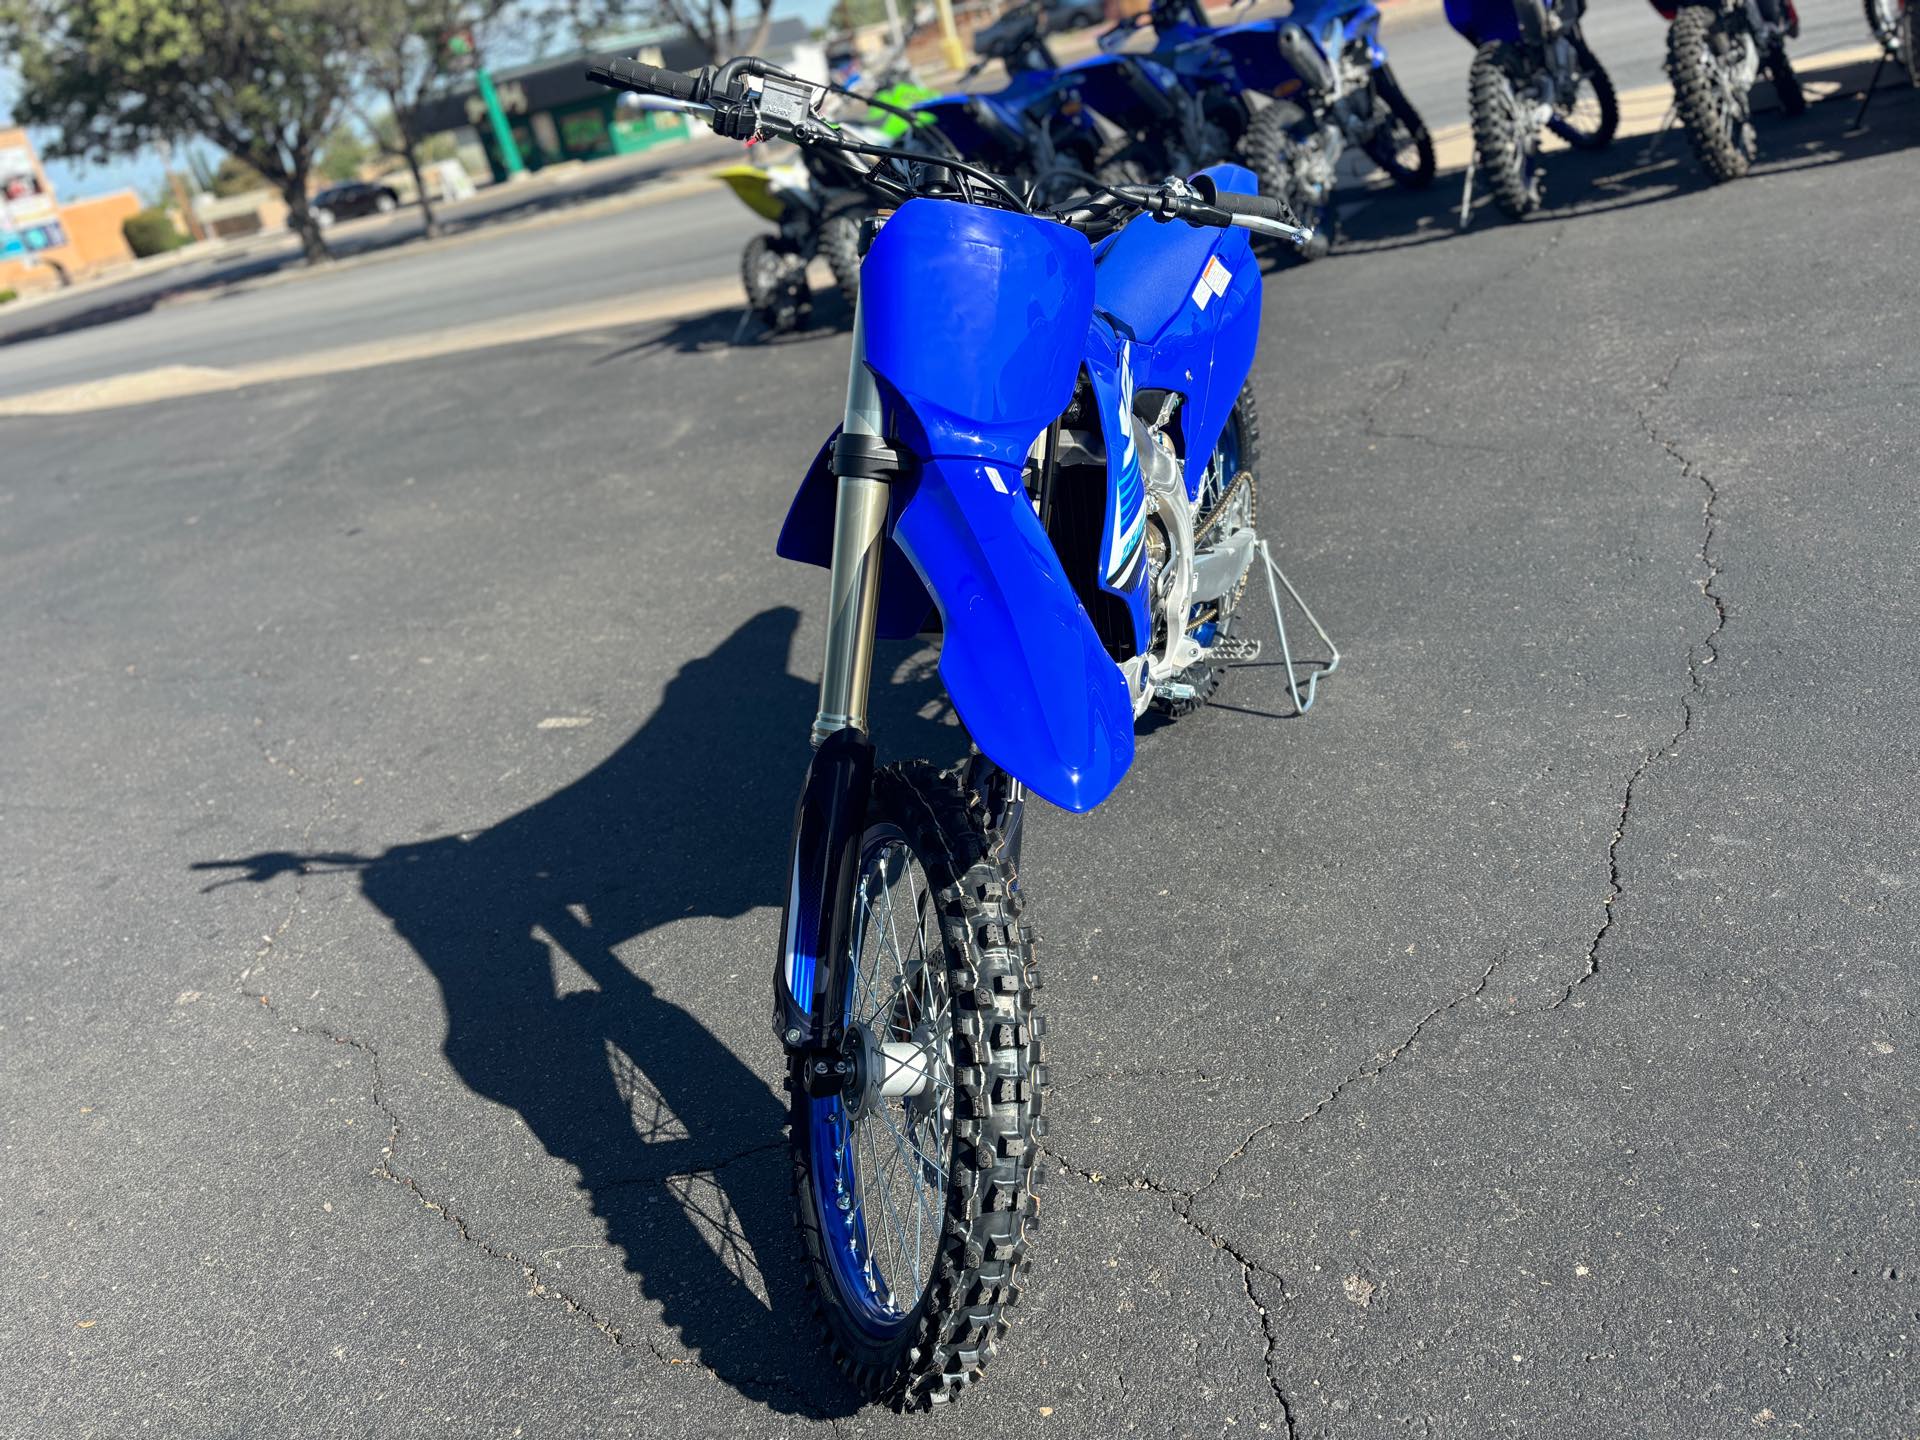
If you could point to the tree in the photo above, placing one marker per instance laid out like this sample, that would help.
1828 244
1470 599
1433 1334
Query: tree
716 24
267 80
341 156
407 61
235 176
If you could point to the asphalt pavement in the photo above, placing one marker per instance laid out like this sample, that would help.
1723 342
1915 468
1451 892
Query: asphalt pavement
396 768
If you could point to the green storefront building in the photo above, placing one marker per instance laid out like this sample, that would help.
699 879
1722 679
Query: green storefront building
556 114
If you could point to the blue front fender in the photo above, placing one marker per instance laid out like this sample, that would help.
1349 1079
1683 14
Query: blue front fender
1038 692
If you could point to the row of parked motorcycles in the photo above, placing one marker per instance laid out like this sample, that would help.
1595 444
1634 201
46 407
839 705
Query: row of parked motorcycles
1294 98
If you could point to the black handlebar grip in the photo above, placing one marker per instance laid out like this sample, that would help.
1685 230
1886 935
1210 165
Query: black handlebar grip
644 79
1234 202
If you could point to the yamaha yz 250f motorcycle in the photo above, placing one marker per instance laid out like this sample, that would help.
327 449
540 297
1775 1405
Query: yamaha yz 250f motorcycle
1328 63
1050 443
1532 73
1716 52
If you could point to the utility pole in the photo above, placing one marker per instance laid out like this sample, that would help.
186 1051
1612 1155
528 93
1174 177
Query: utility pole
502 131
461 53
950 36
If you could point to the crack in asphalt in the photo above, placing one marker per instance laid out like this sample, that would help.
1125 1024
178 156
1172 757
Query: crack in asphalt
1370 412
1700 655
1180 1204
537 1286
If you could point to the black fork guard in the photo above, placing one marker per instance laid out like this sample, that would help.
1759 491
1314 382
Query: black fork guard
825 862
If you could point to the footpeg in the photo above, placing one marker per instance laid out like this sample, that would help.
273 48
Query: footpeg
1234 650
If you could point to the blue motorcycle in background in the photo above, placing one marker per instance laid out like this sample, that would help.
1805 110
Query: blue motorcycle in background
1162 122
1327 87
1532 74
1035 127
1048 454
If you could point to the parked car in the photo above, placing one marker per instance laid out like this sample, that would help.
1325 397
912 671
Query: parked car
353 199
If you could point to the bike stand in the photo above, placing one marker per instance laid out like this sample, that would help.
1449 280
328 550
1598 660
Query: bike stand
1466 190
1247 651
1653 140
1859 116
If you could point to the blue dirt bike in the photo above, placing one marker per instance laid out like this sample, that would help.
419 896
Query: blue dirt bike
1160 122
1327 86
1532 75
1048 453
1034 127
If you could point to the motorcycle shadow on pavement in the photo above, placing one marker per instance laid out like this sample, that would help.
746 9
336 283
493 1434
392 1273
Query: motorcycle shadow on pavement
1639 170
678 1142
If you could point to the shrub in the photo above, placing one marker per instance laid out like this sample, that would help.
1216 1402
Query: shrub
152 232
6 295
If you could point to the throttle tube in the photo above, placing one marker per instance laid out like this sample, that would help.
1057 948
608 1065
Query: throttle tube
645 79
1235 202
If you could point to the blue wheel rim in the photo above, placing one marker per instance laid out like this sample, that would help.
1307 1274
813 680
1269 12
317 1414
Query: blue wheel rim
880 1296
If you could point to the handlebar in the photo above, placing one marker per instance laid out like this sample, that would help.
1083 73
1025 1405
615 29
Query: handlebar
784 106
646 79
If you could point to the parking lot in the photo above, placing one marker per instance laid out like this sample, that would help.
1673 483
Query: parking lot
398 765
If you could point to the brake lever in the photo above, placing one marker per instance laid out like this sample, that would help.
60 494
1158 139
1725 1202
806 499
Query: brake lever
1274 229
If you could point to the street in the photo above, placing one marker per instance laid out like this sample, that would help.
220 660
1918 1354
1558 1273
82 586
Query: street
397 768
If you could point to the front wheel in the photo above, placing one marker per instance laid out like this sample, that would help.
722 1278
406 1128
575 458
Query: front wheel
1590 119
1786 83
840 245
1291 168
1705 92
1503 132
914 1180
1883 19
1910 39
775 279
1401 146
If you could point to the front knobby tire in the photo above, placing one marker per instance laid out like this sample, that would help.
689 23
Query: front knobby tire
919 1339
1587 126
775 279
1716 121
1401 147
1786 83
1501 135
1268 150
840 246
1883 19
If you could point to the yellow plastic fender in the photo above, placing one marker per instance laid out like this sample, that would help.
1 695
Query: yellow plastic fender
755 189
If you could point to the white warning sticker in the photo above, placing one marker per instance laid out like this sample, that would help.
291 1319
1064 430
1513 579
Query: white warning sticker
1202 293
1216 277
998 483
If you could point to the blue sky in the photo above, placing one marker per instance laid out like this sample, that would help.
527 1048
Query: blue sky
142 171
